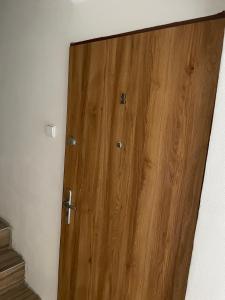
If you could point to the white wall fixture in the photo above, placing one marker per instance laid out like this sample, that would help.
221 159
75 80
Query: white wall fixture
50 131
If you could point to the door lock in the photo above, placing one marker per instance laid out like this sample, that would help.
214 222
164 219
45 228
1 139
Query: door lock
68 206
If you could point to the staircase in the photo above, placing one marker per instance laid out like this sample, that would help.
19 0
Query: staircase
12 270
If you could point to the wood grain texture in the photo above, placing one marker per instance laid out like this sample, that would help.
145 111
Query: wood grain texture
12 270
21 292
132 234
3 224
5 238
5 234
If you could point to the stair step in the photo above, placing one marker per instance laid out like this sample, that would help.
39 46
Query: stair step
5 234
12 269
21 292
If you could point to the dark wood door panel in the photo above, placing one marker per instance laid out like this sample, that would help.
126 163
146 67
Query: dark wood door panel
131 236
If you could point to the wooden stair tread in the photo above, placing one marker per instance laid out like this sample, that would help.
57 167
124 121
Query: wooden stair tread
5 236
21 292
12 269
9 259
3 224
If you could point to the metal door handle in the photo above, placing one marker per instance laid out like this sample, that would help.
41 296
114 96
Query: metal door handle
68 205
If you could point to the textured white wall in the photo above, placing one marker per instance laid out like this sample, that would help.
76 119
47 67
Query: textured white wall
207 272
34 45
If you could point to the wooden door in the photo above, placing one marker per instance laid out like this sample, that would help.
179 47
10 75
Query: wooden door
137 168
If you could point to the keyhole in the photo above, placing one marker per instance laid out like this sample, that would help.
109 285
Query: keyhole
119 145
123 98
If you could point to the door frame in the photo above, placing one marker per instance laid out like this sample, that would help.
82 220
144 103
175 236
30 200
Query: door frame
220 15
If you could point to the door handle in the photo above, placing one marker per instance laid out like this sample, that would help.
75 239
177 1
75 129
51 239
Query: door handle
68 206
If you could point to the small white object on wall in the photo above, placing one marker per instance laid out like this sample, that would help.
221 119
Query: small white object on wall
50 131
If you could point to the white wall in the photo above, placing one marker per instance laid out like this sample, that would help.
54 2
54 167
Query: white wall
207 272
34 44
